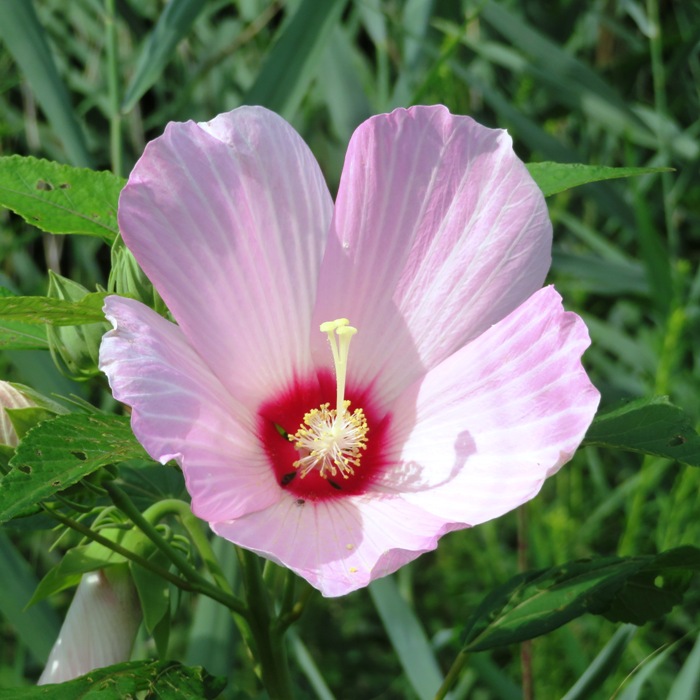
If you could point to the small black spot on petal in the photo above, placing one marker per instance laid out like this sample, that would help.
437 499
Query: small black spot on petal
300 501
335 485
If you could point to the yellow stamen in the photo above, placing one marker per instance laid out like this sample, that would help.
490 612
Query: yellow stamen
331 440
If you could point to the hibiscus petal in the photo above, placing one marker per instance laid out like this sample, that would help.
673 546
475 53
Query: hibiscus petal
181 411
228 219
479 435
439 232
338 545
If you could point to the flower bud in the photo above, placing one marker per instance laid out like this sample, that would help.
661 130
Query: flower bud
100 626
74 348
128 280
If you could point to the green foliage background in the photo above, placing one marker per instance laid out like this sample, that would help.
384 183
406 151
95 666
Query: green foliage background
89 82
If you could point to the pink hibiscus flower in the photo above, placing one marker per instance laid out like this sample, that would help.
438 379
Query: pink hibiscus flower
460 392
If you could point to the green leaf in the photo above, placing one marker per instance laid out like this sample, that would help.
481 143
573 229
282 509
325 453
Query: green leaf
23 419
173 25
553 178
603 666
59 453
632 589
650 426
289 68
15 335
37 627
407 637
165 680
26 40
59 198
57 312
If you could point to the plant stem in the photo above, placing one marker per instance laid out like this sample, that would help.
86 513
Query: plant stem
156 512
115 116
452 675
526 646
270 650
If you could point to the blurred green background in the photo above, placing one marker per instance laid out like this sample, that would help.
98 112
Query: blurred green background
609 82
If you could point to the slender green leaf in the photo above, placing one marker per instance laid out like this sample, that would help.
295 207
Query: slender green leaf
308 667
632 589
553 178
407 637
650 426
570 81
60 452
59 198
173 25
26 40
635 689
686 685
292 62
22 336
37 626
603 665
165 680
57 312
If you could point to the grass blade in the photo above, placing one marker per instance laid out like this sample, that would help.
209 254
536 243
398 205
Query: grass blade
602 666
407 637
173 25
294 59
25 38
37 626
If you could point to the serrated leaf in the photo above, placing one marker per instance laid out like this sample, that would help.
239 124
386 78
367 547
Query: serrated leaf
649 426
165 680
60 198
60 452
56 312
631 589
553 178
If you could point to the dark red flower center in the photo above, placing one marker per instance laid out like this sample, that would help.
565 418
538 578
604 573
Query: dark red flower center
314 456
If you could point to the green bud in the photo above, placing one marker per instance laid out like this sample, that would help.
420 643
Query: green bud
75 349
128 280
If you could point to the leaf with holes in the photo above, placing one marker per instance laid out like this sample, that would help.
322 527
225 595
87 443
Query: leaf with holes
59 453
167 680
650 426
630 589
59 198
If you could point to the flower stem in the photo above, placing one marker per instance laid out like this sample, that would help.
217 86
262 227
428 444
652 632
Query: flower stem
452 675
268 636
144 523
526 646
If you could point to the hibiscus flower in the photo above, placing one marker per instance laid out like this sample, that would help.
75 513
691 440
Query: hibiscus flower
452 384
